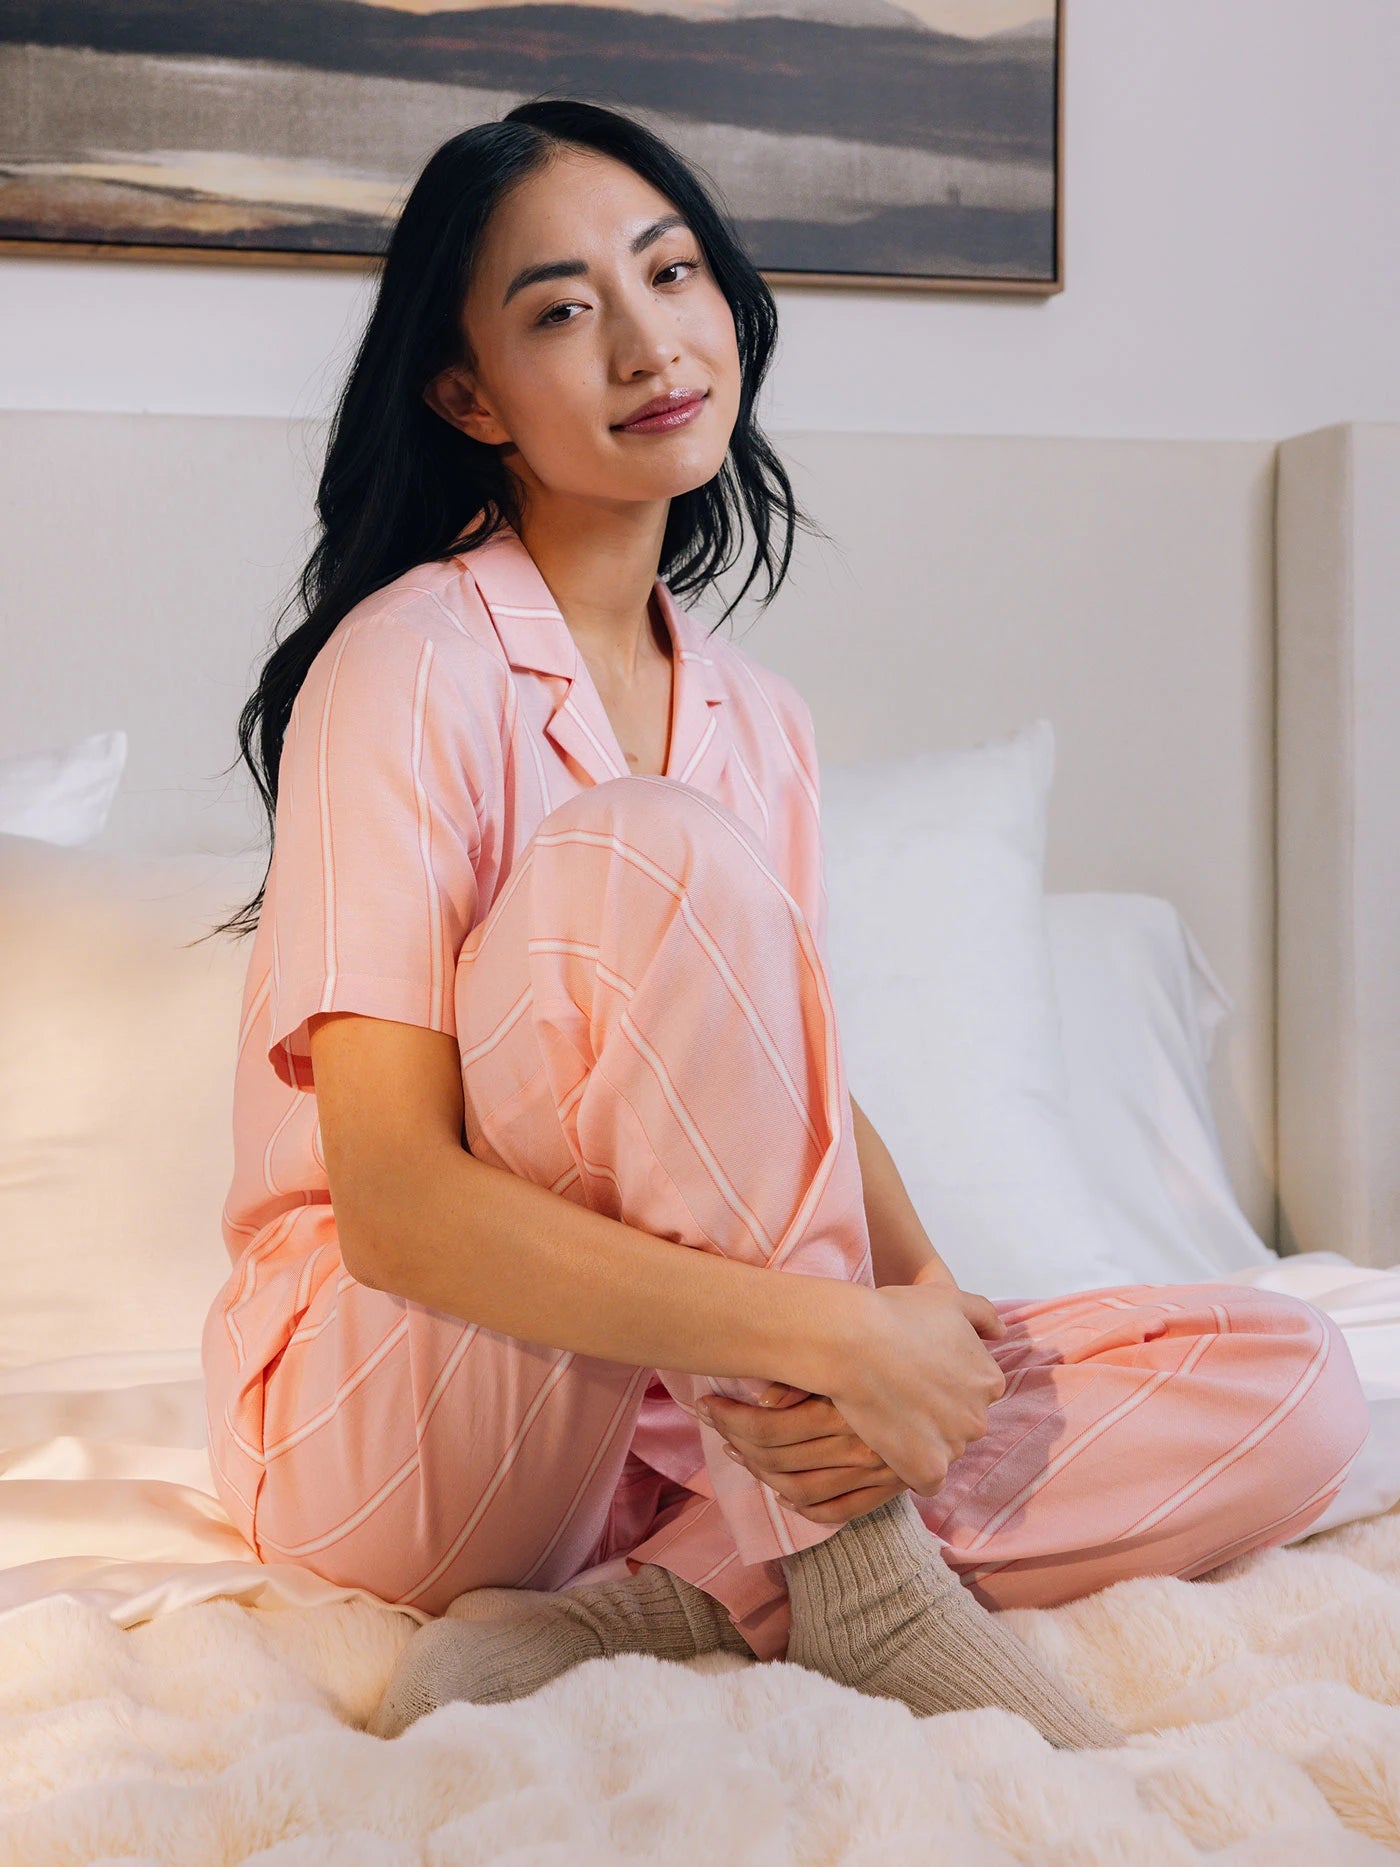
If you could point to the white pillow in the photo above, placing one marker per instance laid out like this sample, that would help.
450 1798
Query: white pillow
940 968
1139 1007
117 1048
62 796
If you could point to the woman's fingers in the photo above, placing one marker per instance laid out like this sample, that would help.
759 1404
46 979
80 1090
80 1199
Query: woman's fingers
805 1452
820 1484
772 1426
982 1314
852 1504
826 1452
779 1394
782 1425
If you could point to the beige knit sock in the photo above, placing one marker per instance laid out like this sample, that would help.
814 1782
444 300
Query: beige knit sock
496 1644
877 1607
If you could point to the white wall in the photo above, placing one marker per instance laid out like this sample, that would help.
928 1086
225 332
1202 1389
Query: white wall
1233 267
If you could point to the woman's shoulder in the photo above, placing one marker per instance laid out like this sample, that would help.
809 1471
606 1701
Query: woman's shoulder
430 625
437 602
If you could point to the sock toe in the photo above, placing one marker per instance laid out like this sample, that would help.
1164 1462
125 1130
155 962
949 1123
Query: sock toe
424 1676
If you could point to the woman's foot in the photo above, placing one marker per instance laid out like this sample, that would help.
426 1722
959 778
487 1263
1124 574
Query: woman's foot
497 1644
876 1607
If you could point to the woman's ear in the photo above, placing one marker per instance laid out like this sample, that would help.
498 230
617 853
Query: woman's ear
450 394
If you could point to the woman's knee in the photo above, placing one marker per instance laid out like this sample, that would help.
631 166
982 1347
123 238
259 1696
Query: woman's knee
686 832
1320 1389
1347 1407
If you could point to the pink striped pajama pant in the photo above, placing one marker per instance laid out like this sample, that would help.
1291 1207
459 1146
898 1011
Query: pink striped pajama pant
646 1027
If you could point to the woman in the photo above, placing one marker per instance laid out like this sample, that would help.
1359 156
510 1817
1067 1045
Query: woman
537 996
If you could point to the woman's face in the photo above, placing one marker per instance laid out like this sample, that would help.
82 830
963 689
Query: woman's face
560 362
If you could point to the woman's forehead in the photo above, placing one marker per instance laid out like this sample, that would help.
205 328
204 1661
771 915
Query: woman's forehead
575 201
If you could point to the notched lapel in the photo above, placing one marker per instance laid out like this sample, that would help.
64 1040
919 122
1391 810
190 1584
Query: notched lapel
701 741
537 641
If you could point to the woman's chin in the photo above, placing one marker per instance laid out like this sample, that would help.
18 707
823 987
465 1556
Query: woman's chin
674 479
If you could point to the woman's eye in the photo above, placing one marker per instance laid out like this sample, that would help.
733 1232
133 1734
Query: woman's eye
548 317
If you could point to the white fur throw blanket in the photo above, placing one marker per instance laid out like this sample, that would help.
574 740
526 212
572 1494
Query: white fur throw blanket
221 1733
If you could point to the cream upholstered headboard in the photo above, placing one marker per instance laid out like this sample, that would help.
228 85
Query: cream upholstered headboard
1339 841
1125 590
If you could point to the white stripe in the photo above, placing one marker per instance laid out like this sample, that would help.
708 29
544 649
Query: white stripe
628 852
436 932
718 1569
1306 1381
455 620
293 1107
581 1490
513 880
547 1387
513 719
1085 1439
342 1530
223 1474
592 737
339 1531
236 1438
803 779
581 950
490 1041
1327 1490
758 796
324 814
278 1229
730 1193
699 752
332 1406
304 1281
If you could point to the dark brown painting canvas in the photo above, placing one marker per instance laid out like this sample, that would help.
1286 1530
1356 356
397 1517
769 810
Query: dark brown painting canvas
902 142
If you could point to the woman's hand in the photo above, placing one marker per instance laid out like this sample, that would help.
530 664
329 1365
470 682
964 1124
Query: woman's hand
804 1449
918 1385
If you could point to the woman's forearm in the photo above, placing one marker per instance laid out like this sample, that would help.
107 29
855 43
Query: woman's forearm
899 1245
494 1248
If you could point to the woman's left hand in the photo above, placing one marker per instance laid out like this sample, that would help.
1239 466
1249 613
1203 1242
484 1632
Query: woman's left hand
801 1448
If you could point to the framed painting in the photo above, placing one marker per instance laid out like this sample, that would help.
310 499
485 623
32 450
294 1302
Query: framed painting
902 143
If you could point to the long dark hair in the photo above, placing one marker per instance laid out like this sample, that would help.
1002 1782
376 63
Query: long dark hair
398 480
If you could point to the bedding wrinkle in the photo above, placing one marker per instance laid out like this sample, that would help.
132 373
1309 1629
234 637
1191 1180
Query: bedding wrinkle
634 970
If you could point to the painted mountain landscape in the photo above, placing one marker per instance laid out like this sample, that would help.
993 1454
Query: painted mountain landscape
912 141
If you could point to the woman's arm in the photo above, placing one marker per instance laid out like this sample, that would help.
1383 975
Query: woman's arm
419 1216
899 1246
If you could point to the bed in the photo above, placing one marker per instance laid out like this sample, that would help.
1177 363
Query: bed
1138 698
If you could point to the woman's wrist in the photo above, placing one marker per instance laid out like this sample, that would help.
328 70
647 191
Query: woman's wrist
822 1324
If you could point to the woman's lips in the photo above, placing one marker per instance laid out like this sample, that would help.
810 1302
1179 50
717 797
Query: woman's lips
675 417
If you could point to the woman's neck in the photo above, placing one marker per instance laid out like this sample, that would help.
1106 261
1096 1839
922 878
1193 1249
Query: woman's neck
604 584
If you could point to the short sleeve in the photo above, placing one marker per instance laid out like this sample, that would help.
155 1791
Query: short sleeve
374 885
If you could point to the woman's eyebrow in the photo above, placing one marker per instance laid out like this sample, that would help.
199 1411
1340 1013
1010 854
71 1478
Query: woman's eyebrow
577 268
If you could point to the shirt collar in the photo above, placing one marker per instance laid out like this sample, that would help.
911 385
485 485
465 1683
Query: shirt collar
536 638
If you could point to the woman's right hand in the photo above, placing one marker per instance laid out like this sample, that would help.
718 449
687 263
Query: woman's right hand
919 1384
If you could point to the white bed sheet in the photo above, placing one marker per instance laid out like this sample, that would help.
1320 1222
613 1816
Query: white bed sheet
108 1497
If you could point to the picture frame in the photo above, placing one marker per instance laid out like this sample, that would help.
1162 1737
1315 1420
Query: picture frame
288 132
